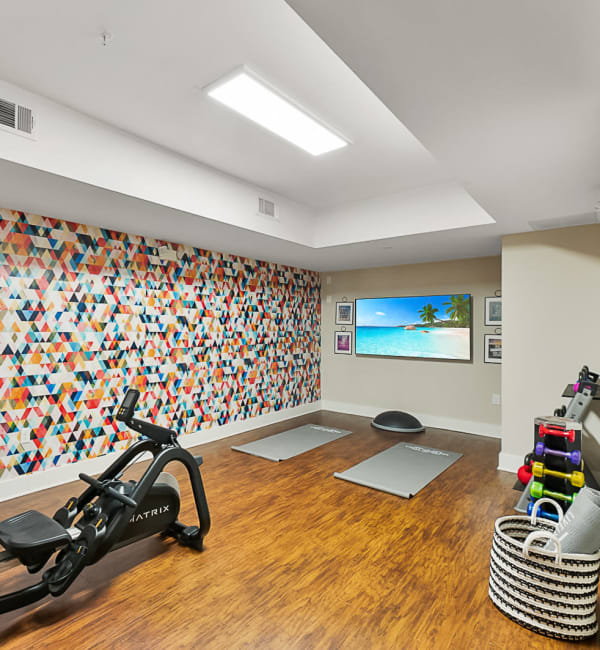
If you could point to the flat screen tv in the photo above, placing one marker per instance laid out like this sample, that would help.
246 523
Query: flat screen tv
426 327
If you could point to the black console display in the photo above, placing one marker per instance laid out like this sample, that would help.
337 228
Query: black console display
125 412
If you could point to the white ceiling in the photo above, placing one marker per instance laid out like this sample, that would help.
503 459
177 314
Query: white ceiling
503 94
148 82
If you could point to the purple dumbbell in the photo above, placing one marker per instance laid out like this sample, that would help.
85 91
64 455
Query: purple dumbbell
574 456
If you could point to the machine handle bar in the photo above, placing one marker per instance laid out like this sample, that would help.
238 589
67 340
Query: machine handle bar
101 487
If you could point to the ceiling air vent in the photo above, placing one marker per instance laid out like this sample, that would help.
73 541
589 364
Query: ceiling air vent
266 208
564 222
16 119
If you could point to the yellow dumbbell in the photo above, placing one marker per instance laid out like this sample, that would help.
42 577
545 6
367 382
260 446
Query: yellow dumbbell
577 479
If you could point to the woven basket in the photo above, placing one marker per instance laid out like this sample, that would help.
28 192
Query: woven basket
549 592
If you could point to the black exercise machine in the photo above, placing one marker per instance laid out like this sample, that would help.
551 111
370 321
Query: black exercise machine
108 515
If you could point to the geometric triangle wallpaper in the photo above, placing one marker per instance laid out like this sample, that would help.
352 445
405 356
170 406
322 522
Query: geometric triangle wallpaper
86 313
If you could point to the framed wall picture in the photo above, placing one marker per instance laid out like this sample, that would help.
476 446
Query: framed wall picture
343 343
344 313
492 348
493 310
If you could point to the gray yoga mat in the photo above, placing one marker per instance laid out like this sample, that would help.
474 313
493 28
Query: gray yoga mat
282 446
401 470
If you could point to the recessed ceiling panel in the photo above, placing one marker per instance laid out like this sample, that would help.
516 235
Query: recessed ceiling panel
148 80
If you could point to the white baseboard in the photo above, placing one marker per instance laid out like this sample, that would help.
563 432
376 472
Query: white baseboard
509 462
41 480
427 419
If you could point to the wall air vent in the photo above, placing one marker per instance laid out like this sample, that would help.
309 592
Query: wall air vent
16 119
266 208
8 113
25 120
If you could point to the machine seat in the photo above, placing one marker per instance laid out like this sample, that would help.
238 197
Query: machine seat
32 537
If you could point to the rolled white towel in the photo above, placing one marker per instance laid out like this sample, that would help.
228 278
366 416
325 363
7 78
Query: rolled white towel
579 531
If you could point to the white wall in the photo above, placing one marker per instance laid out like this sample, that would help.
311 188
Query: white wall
446 394
76 146
551 320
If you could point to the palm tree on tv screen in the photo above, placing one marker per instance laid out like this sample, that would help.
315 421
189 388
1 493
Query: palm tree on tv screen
428 314
458 308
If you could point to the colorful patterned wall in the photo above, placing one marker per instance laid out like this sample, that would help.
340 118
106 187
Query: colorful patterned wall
86 312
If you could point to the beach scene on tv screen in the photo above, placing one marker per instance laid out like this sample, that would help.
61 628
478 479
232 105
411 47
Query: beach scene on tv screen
434 327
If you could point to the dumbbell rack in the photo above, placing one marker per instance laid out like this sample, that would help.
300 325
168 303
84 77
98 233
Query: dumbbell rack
558 466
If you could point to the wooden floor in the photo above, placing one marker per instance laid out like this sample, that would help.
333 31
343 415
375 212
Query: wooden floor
298 559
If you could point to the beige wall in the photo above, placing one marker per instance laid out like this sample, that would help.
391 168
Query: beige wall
449 394
551 322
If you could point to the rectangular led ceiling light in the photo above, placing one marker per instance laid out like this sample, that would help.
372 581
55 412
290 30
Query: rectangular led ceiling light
243 92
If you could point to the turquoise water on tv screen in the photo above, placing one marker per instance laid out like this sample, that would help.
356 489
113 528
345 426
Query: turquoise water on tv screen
421 342
415 326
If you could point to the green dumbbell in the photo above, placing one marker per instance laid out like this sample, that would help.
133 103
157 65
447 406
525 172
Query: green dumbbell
577 479
538 491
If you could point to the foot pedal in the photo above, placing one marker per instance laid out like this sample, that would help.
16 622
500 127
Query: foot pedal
190 536
189 533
